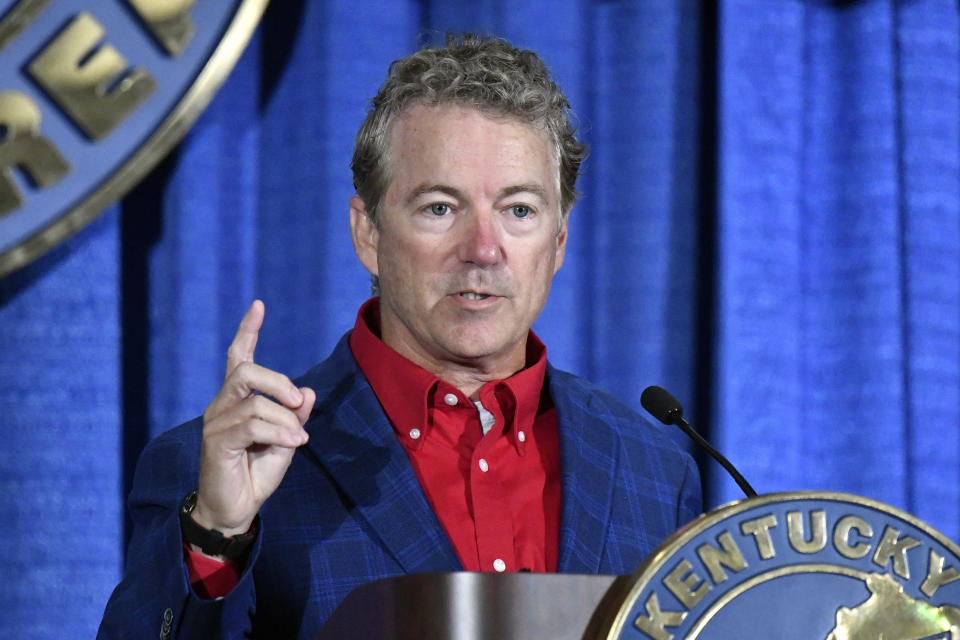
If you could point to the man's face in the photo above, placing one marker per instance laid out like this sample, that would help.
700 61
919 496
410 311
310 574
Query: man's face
468 239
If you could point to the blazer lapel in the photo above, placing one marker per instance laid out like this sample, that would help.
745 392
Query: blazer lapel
353 440
588 460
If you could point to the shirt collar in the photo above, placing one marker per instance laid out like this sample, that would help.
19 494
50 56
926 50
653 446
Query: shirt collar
404 389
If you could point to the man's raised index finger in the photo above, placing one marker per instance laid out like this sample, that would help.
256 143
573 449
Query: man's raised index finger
245 342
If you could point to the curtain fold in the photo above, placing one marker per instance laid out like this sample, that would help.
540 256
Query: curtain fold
928 79
61 426
838 273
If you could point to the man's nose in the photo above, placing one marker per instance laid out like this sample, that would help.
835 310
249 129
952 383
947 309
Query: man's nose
480 240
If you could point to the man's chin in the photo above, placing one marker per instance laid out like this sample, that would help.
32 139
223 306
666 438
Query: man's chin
476 347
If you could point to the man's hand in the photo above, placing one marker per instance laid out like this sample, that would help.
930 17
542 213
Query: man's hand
248 438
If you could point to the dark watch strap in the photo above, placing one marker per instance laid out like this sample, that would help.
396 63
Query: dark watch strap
211 541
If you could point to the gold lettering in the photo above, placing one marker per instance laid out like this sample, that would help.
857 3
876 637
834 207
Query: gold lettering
93 84
759 528
936 575
841 537
893 546
655 622
682 582
23 147
19 18
818 531
714 559
168 20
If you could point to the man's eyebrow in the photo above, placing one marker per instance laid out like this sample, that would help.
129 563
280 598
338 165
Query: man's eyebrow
453 192
533 188
434 188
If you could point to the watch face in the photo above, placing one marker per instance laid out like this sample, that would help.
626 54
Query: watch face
189 502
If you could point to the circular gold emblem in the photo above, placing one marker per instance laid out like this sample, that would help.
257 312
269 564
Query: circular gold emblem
92 96
796 565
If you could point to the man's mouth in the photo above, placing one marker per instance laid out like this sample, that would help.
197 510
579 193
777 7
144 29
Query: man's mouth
472 295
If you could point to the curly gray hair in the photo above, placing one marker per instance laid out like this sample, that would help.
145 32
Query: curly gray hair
486 73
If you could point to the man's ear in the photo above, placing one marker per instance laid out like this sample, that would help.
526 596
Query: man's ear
365 235
561 243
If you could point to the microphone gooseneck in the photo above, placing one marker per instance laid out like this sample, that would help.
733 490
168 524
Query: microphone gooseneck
665 408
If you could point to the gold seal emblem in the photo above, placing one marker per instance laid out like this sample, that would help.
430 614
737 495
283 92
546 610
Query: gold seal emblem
93 95
797 566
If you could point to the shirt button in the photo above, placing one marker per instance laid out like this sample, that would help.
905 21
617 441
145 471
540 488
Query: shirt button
521 436
415 433
450 399
483 465
499 565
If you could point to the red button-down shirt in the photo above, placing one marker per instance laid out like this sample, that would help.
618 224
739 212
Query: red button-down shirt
489 468
496 495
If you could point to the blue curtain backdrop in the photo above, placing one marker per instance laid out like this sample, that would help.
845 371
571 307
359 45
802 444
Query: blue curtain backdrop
770 227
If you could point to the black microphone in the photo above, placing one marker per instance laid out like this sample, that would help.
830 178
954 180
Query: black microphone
665 408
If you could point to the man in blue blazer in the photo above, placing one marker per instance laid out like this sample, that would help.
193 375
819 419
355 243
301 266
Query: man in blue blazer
465 170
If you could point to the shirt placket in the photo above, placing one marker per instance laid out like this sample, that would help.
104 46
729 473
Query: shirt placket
492 516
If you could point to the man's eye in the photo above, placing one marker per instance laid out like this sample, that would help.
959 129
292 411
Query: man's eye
439 209
521 210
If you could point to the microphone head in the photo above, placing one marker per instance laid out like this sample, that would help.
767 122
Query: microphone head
663 406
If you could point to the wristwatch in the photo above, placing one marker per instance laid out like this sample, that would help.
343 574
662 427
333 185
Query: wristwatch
211 541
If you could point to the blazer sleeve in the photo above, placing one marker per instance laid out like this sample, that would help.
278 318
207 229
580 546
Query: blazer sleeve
154 598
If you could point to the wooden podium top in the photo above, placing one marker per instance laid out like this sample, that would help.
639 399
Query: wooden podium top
458 606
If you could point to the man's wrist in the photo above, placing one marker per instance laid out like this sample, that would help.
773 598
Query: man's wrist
202 518
212 542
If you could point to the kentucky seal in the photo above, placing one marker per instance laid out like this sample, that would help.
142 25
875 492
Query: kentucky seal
796 566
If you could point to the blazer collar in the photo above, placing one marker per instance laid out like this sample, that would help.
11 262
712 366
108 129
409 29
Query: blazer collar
354 442
588 454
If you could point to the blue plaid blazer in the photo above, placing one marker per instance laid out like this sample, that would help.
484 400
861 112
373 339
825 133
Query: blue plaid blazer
350 510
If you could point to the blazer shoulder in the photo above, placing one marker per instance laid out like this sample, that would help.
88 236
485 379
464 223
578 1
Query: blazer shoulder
632 428
654 478
330 377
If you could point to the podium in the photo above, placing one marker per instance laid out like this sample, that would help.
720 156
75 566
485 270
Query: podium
475 606
791 566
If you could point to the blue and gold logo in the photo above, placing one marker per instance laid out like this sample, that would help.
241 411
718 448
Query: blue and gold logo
797 566
92 95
